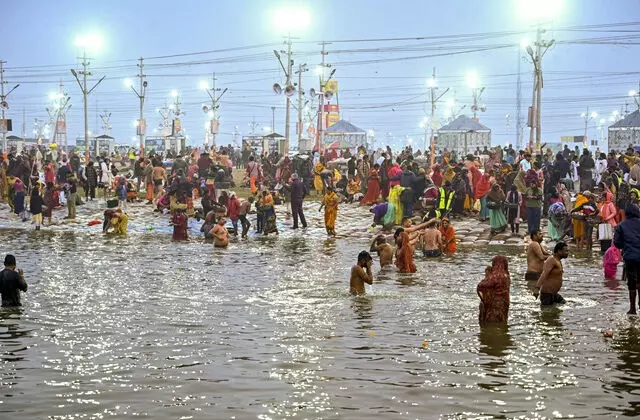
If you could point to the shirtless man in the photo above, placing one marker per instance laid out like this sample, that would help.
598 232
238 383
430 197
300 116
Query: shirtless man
361 274
550 281
220 234
432 242
536 256
414 230
384 250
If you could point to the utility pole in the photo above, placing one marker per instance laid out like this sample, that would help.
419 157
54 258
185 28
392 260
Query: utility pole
253 124
273 119
59 109
85 93
541 47
587 117
214 122
287 129
435 97
301 69
141 123
519 103
105 116
323 83
4 124
165 114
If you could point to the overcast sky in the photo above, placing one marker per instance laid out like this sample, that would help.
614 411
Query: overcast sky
382 83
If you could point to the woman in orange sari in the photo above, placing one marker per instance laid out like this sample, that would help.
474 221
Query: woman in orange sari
448 236
373 187
404 252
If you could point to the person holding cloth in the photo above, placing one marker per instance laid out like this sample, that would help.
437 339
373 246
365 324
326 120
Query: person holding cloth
11 282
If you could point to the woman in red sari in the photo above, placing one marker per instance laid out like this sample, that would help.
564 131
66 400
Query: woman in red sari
494 293
373 187
404 252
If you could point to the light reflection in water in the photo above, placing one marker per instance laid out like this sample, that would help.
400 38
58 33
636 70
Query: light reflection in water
141 326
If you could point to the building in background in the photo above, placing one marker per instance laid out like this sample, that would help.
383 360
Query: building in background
625 132
463 135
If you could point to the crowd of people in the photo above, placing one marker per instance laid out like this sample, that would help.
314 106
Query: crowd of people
584 198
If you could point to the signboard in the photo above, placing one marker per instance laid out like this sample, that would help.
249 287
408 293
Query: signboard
141 127
5 126
572 139
332 118
61 127
331 86
332 108
215 126
176 127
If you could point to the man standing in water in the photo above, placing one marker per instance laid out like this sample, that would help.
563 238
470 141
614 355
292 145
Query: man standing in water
550 281
361 274
627 238
384 250
220 234
298 192
536 256
431 240
11 282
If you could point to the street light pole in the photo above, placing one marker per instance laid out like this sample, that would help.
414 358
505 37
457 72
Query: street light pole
535 113
142 125
288 112
434 100
301 69
85 93
215 104
3 105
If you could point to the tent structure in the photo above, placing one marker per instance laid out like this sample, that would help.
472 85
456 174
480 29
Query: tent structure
463 135
346 134
625 132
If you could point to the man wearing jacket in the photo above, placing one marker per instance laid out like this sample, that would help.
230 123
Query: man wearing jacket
627 238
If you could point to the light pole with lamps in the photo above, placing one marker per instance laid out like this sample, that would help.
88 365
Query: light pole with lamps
4 106
86 42
587 117
291 19
214 123
141 124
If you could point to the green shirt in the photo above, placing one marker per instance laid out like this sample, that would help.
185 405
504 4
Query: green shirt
533 202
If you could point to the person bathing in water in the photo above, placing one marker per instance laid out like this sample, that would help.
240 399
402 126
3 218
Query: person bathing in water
220 234
550 281
536 256
431 240
361 274
384 250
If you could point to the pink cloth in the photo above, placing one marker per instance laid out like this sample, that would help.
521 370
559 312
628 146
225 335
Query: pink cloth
394 171
608 211
611 259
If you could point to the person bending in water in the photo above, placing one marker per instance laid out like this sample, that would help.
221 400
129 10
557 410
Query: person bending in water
361 274
384 250
536 256
220 234
431 240
550 281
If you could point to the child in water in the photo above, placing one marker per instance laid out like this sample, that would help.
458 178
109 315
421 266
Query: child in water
610 261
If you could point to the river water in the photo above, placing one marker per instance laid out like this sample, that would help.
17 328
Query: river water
143 327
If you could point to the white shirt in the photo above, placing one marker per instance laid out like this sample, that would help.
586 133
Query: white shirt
525 165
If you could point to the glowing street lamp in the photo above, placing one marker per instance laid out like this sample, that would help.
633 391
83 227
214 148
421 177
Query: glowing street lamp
288 19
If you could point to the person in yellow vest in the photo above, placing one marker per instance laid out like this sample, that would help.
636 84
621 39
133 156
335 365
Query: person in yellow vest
445 198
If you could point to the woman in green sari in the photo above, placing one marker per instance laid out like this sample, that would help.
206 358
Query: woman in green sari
495 200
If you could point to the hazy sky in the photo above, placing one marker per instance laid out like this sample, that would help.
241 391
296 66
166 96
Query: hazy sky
382 83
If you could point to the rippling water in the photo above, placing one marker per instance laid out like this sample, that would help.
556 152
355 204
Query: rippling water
140 326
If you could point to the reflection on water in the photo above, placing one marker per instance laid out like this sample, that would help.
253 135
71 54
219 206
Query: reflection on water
140 326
